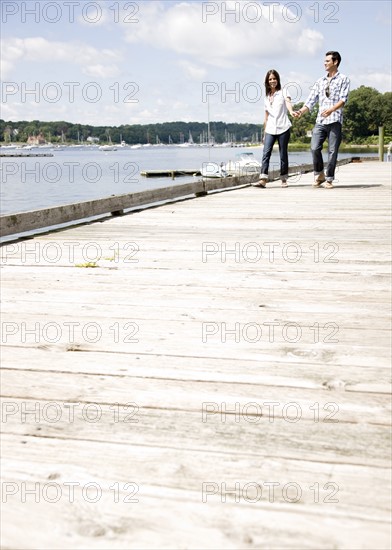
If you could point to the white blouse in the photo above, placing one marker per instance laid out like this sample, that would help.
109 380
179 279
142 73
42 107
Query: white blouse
278 120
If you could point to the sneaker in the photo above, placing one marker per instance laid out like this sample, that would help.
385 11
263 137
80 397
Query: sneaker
284 183
328 185
319 180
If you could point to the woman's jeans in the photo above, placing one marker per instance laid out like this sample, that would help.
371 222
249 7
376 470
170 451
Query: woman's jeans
320 133
283 141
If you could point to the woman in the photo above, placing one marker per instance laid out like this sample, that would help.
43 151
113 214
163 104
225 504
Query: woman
276 126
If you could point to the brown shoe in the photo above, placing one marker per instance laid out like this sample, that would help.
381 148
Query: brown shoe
328 185
262 182
319 180
284 183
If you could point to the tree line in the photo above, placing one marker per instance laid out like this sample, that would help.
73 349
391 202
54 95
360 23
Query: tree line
366 110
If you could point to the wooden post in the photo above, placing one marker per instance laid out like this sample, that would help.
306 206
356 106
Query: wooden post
381 143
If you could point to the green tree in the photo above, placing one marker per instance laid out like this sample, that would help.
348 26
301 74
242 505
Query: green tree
385 107
301 127
362 114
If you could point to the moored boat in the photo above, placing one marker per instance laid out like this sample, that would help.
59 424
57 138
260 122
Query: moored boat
213 170
244 164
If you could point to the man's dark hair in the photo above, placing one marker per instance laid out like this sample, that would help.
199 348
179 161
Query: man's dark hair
335 56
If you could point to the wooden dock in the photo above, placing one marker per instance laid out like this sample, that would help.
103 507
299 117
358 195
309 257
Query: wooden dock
213 373
26 155
170 173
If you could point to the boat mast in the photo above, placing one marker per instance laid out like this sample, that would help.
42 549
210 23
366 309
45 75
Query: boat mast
208 128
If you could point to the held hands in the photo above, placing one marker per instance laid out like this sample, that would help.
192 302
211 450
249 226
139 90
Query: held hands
325 114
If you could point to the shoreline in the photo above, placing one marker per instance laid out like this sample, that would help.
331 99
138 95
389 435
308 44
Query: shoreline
294 144
298 145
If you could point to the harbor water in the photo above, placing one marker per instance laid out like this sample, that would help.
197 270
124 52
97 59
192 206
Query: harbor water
75 174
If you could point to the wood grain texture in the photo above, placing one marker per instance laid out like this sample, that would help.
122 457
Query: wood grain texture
156 367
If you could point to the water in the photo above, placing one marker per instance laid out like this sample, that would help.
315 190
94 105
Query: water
78 174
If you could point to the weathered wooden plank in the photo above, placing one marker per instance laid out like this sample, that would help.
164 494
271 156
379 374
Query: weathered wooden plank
124 462
313 322
44 217
121 279
213 334
348 377
210 429
20 222
175 519
186 395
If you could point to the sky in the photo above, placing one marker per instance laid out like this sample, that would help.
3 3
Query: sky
109 62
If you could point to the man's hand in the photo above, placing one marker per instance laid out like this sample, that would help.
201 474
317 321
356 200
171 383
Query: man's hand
327 112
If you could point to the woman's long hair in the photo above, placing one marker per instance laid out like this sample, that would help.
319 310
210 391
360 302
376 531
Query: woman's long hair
266 83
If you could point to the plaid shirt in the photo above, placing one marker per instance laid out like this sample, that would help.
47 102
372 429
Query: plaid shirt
339 87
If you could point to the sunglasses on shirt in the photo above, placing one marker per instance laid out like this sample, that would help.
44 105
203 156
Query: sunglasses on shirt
327 92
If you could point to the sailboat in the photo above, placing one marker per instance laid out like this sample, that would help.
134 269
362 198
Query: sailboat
188 143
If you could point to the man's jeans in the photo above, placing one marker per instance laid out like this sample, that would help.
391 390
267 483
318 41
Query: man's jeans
283 141
320 133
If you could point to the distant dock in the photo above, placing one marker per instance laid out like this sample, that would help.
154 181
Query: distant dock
28 155
170 173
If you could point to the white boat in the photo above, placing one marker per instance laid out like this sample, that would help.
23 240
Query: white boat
48 145
213 170
108 147
245 164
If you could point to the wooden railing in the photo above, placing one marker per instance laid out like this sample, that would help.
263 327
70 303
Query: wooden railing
13 224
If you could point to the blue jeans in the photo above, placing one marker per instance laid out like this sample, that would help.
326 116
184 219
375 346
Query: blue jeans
283 141
320 133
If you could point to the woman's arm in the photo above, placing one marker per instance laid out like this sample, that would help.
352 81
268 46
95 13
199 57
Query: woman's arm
289 105
265 122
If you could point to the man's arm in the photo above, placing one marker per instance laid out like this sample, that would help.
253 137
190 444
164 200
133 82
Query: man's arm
335 107
343 96
310 102
302 111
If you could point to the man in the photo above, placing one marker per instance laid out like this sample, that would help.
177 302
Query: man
331 91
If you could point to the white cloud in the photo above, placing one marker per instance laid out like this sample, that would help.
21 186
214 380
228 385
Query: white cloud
379 80
101 71
93 14
309 42
38 49
192 71
224 39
